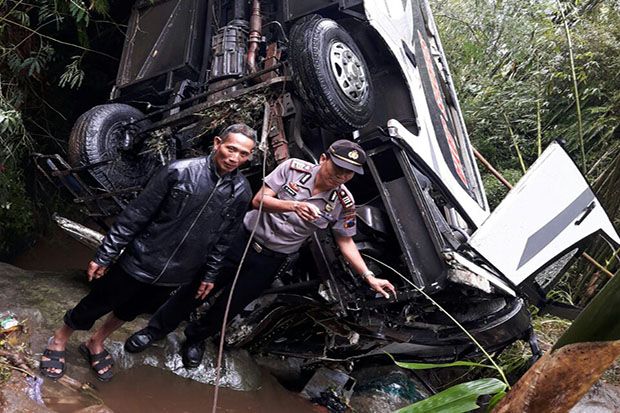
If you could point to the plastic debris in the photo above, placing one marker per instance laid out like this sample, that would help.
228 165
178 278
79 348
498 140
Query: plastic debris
34 389
9 324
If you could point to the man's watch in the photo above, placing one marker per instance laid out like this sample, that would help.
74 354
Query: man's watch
367 274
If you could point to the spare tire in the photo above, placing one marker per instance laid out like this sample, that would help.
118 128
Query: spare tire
97 137
330 74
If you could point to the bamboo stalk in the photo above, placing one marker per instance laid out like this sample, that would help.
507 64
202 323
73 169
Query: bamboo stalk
538 128
538 116
515 143
575 86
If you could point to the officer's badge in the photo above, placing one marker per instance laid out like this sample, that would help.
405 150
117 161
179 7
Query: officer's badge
354 154
301 166
329 207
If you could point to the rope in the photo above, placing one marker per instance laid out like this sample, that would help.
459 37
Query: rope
220 351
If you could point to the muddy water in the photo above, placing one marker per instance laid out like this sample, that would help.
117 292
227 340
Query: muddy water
148 389
144 388
55 252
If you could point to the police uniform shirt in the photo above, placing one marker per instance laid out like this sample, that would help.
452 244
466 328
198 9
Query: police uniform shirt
285 232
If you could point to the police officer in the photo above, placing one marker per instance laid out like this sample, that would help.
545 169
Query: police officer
298 198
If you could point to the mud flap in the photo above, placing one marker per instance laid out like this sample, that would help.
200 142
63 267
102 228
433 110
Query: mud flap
547 214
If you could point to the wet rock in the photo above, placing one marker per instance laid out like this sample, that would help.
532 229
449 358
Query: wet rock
16 397
602 398
239 370
42 298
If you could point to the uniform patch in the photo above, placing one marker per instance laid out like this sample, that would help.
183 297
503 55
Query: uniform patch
345 199
301 166
348 214
289 190
348 217
305 178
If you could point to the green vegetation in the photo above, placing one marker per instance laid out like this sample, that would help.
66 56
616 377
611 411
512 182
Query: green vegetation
459 398
511 57
46 54
530 72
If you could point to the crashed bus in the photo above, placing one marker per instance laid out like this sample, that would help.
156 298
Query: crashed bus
305 74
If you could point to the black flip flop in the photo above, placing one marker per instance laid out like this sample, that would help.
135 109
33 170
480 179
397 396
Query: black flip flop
54 362
98 362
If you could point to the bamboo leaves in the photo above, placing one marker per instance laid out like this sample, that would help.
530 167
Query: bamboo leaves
552 76
73 74
460 398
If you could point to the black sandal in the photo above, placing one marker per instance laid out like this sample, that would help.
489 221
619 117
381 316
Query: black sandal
54 362
98 362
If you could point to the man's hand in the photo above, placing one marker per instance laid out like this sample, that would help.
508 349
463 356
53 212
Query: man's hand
95 270
203 290
380 285
306 211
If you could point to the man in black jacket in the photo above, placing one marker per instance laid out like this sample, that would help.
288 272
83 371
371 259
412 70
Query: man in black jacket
179 226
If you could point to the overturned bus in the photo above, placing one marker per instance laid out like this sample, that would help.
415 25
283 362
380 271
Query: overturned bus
305 74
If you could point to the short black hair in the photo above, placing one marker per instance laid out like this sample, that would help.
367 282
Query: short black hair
241 128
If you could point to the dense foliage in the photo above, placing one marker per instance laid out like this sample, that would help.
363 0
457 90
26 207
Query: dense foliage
513 63
48 49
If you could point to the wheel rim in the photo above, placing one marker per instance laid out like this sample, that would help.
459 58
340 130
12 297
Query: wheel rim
349 72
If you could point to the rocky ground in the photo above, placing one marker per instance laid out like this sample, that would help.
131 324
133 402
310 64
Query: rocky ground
40 300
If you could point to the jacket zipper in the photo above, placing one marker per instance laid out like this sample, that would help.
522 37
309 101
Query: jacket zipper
188 231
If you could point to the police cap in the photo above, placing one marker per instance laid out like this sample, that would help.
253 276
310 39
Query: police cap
348 155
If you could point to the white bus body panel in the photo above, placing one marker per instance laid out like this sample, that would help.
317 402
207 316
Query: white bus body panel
393 20
550 210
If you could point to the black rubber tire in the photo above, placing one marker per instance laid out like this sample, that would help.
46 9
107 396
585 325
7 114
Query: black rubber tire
311 39
96 136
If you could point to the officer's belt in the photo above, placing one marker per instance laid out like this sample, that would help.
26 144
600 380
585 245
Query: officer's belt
261 249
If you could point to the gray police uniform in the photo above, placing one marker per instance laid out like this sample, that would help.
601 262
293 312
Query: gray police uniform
285 232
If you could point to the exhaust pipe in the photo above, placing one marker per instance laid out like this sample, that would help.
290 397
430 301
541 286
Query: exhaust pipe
255 36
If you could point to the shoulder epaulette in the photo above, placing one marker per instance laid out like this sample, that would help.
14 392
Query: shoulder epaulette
301 166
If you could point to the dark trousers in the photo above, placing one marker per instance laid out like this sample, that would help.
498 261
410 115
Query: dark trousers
257 274
119 292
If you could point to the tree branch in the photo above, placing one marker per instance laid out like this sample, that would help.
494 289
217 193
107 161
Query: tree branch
56 40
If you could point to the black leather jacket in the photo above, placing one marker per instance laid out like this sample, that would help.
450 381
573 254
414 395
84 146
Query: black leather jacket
180 226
